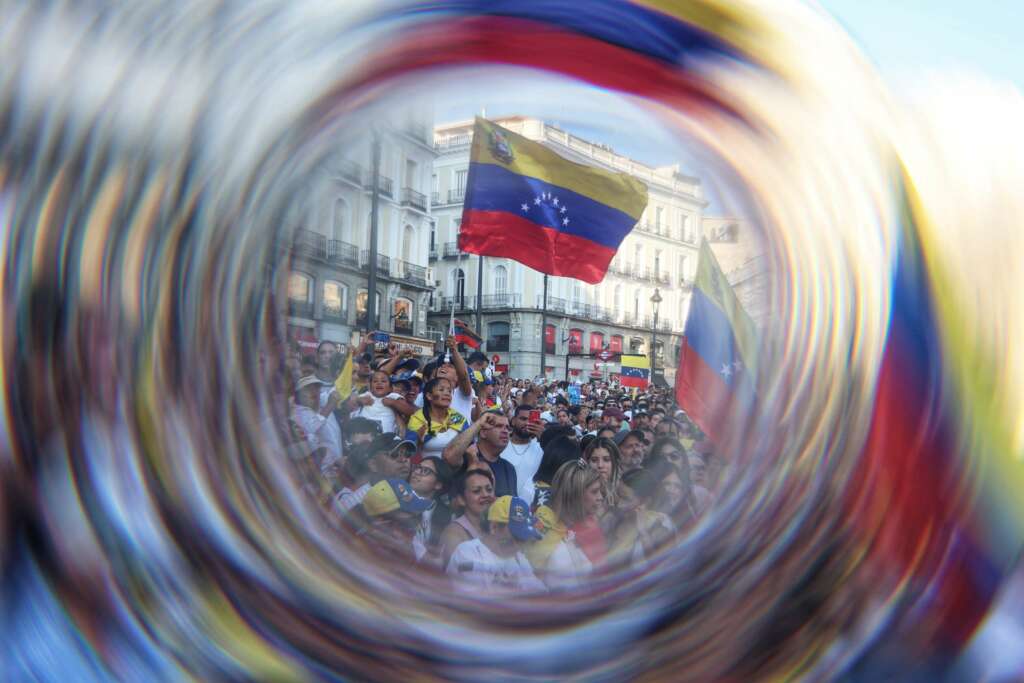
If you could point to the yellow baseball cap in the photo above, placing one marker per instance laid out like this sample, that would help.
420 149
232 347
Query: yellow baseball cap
390 495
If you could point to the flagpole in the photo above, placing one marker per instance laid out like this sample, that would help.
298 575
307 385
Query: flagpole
544 330
479 293
451 319
371 283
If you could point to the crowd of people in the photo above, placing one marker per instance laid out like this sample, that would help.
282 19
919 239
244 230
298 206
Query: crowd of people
506 485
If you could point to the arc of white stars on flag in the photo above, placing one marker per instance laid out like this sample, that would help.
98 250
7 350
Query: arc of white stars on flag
729 368
545 197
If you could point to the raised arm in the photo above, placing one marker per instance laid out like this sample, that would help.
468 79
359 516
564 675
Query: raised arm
400 406
392 362
461 371
455 453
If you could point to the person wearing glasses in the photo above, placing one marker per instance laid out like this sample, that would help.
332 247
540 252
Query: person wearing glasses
668 448
386 457
430 479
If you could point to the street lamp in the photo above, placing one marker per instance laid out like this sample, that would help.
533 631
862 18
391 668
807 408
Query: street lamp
655 299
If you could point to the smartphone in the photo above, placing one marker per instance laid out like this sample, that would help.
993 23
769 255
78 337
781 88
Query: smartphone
534 416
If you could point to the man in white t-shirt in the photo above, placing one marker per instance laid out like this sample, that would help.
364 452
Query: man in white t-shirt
523 451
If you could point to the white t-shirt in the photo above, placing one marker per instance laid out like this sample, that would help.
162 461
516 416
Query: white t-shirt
378 412
473 566
568 566
526 459
463 403
321 432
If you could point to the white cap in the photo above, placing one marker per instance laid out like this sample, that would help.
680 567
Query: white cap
307 380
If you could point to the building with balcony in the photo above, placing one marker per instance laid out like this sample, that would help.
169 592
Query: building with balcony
660 253
741 255
330 251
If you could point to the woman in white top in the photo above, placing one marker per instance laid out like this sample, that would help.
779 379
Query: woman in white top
437 423
473 493
494 562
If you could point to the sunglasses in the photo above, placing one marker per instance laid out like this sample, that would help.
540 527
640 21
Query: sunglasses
400 454
424 471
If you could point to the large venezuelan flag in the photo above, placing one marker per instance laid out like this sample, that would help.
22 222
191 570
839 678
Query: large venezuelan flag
526 203
717 361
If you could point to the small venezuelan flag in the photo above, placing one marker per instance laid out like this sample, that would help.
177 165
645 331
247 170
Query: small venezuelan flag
526 203
636 372
464 334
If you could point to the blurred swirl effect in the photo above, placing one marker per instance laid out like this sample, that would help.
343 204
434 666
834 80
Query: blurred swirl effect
153 531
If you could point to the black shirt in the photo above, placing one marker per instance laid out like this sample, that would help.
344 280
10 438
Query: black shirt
505 483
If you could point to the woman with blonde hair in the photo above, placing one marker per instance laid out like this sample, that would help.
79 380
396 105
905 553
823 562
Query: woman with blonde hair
576 501
603 455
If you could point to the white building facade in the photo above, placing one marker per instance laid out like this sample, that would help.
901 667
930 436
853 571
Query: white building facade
659 254
327 288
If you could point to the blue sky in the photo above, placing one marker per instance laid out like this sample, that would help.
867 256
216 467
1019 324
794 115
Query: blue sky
905 39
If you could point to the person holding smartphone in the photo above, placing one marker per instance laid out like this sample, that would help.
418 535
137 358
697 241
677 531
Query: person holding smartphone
523 450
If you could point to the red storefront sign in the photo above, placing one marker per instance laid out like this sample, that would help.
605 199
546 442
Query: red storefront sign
615 343
596 341
306 338
502 368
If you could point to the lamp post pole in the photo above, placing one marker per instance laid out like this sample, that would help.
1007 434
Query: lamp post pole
655 299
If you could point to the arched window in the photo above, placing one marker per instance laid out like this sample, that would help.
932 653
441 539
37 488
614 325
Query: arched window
361 297
300 295
335 301
497 336
459 286
575 340
407 237
500 280
340 219
577 298
300 288
402 315
549 339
